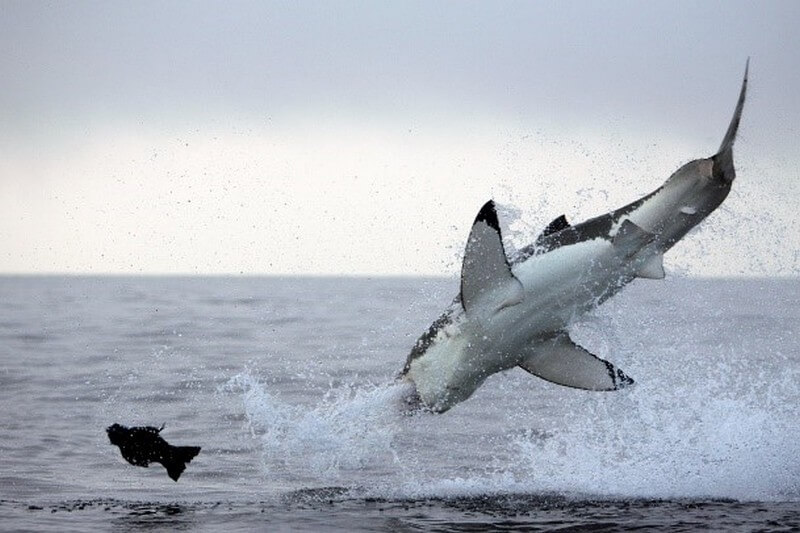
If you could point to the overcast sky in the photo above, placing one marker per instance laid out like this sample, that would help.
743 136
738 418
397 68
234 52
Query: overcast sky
362 137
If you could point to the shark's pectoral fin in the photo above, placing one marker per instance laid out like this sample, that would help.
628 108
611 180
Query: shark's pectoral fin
561 361
630 238
653 268
486 277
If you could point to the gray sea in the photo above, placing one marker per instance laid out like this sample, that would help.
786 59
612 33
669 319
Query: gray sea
288 386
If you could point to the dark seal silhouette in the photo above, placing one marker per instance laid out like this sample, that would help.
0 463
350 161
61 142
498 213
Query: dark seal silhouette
141 446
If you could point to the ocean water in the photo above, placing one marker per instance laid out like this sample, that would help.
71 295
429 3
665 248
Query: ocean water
288 386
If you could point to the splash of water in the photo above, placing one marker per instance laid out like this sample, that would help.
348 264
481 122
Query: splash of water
723 448
350 432
713 414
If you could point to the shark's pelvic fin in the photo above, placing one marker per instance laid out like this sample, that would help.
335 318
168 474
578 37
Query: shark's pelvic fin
563 362
653 268
486 277
630 238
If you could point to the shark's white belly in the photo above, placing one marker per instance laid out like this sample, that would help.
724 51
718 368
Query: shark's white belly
558 287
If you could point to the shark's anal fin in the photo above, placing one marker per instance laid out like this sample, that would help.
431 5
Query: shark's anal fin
561 361
630 238
653 268
553 227
486 277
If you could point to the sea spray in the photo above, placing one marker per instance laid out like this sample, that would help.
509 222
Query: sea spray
719 448
713 413
351 430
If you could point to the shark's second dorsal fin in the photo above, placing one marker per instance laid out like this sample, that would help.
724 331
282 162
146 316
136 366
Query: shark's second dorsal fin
486 277
553 227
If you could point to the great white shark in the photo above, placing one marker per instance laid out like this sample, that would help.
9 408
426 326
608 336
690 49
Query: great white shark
515 312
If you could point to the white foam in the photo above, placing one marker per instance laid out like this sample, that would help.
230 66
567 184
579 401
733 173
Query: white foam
349 431
724 449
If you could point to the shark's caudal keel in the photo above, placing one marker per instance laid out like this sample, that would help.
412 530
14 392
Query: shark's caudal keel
516 312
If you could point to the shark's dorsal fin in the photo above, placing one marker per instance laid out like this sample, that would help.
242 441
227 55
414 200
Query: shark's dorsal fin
559 360
486 277
553 227
630 238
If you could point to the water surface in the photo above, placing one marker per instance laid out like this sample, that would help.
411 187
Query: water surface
288 385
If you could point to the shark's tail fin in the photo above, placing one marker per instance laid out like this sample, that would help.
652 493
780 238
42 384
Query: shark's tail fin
178 458
723 159
733 127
